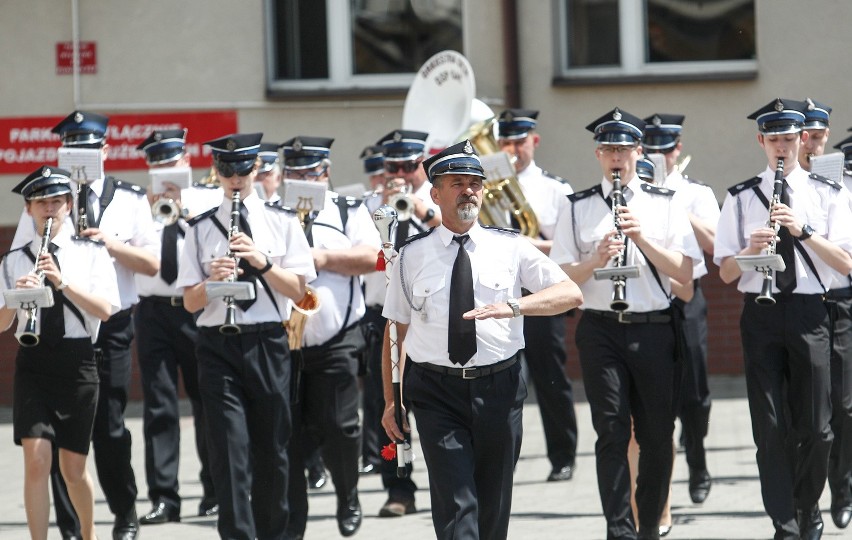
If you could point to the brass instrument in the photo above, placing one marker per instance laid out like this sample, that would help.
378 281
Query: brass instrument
403 204
212 179
29 337
304 308
765 297
619 303
682 163
165 211
230 327
501 197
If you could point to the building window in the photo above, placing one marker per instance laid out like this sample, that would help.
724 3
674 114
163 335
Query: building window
352 44
656 37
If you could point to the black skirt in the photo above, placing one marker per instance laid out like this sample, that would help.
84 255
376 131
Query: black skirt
56 393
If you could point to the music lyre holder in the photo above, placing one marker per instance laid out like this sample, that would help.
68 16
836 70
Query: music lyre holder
617 272
760 263
238 290
29 299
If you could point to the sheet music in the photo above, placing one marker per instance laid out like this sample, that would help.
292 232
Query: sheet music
829 165
179 176
85 164
660 172
304 195
497 166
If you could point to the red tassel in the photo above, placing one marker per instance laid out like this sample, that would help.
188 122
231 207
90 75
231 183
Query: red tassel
389 452
380 262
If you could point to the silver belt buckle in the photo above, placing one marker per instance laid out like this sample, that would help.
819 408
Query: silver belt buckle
176 301
621 318
465 373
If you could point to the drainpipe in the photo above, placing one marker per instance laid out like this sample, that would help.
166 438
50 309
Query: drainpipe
512 77
75 43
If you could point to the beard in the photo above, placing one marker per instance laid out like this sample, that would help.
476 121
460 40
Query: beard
467 209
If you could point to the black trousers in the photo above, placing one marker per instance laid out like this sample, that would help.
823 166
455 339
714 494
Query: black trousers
840 458
374 436
628 371
694 399
111 439
470 434
245 389
545 353
326 409
786 352
165 347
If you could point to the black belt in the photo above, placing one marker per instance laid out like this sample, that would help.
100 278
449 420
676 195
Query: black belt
655 317
839 294
174 301
469 373
247 328
782 298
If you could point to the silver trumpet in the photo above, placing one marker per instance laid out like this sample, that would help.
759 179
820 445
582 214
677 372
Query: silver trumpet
165 211
230 327
29 337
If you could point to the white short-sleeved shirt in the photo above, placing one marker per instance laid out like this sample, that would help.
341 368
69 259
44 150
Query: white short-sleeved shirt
546 195
341 299
699 200
127 217
276 232
587 218
823 206
83 263
502 263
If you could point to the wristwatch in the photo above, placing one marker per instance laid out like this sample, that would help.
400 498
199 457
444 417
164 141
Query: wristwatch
807 232
62 284
516 307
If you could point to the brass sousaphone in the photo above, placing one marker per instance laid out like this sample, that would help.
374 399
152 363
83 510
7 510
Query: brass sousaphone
441 102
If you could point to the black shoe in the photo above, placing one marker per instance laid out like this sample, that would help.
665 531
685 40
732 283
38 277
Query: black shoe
208 507
126 528
349 515
317 477
561 474
699 485
368 468
841 514
161 513
810 523
397 507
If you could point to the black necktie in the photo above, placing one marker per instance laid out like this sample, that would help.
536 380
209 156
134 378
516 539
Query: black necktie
461 342
84 205
169 254
52 319
402 233
249 273
786 280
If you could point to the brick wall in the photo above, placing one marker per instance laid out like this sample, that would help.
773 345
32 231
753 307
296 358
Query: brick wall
725 355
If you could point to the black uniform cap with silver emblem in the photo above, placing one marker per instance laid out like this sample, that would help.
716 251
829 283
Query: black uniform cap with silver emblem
82 129
238 151
617 127
459 158
164 146
780 116
516 123
269 157
44 182
816 114
662 132
403 144
373 159
306 152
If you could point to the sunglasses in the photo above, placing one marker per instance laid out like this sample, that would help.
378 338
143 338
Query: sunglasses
227 170
404 166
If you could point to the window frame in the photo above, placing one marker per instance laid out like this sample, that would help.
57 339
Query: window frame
633 45
341 79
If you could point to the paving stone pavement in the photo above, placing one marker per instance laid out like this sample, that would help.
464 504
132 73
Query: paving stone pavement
569 510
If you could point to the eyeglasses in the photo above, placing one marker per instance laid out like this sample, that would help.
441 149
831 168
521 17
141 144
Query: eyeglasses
404 166
304 174
612 149
227 170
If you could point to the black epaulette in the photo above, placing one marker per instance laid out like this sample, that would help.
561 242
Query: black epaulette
204 186
824 180
204 215
513 232
577 195
742 186
657 190
554 177
411 239
278 207
694 181
351 202
87 239
129 186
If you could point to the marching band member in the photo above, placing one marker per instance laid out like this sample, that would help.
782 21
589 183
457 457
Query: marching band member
451 296
166 344
627 356
344 243
244 377
786 342
56 380
117 214
544 337
269 172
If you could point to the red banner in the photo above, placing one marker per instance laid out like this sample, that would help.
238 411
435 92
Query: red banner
27 143
88 51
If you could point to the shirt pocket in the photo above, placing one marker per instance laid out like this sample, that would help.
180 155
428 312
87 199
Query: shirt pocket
429 296
495 286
